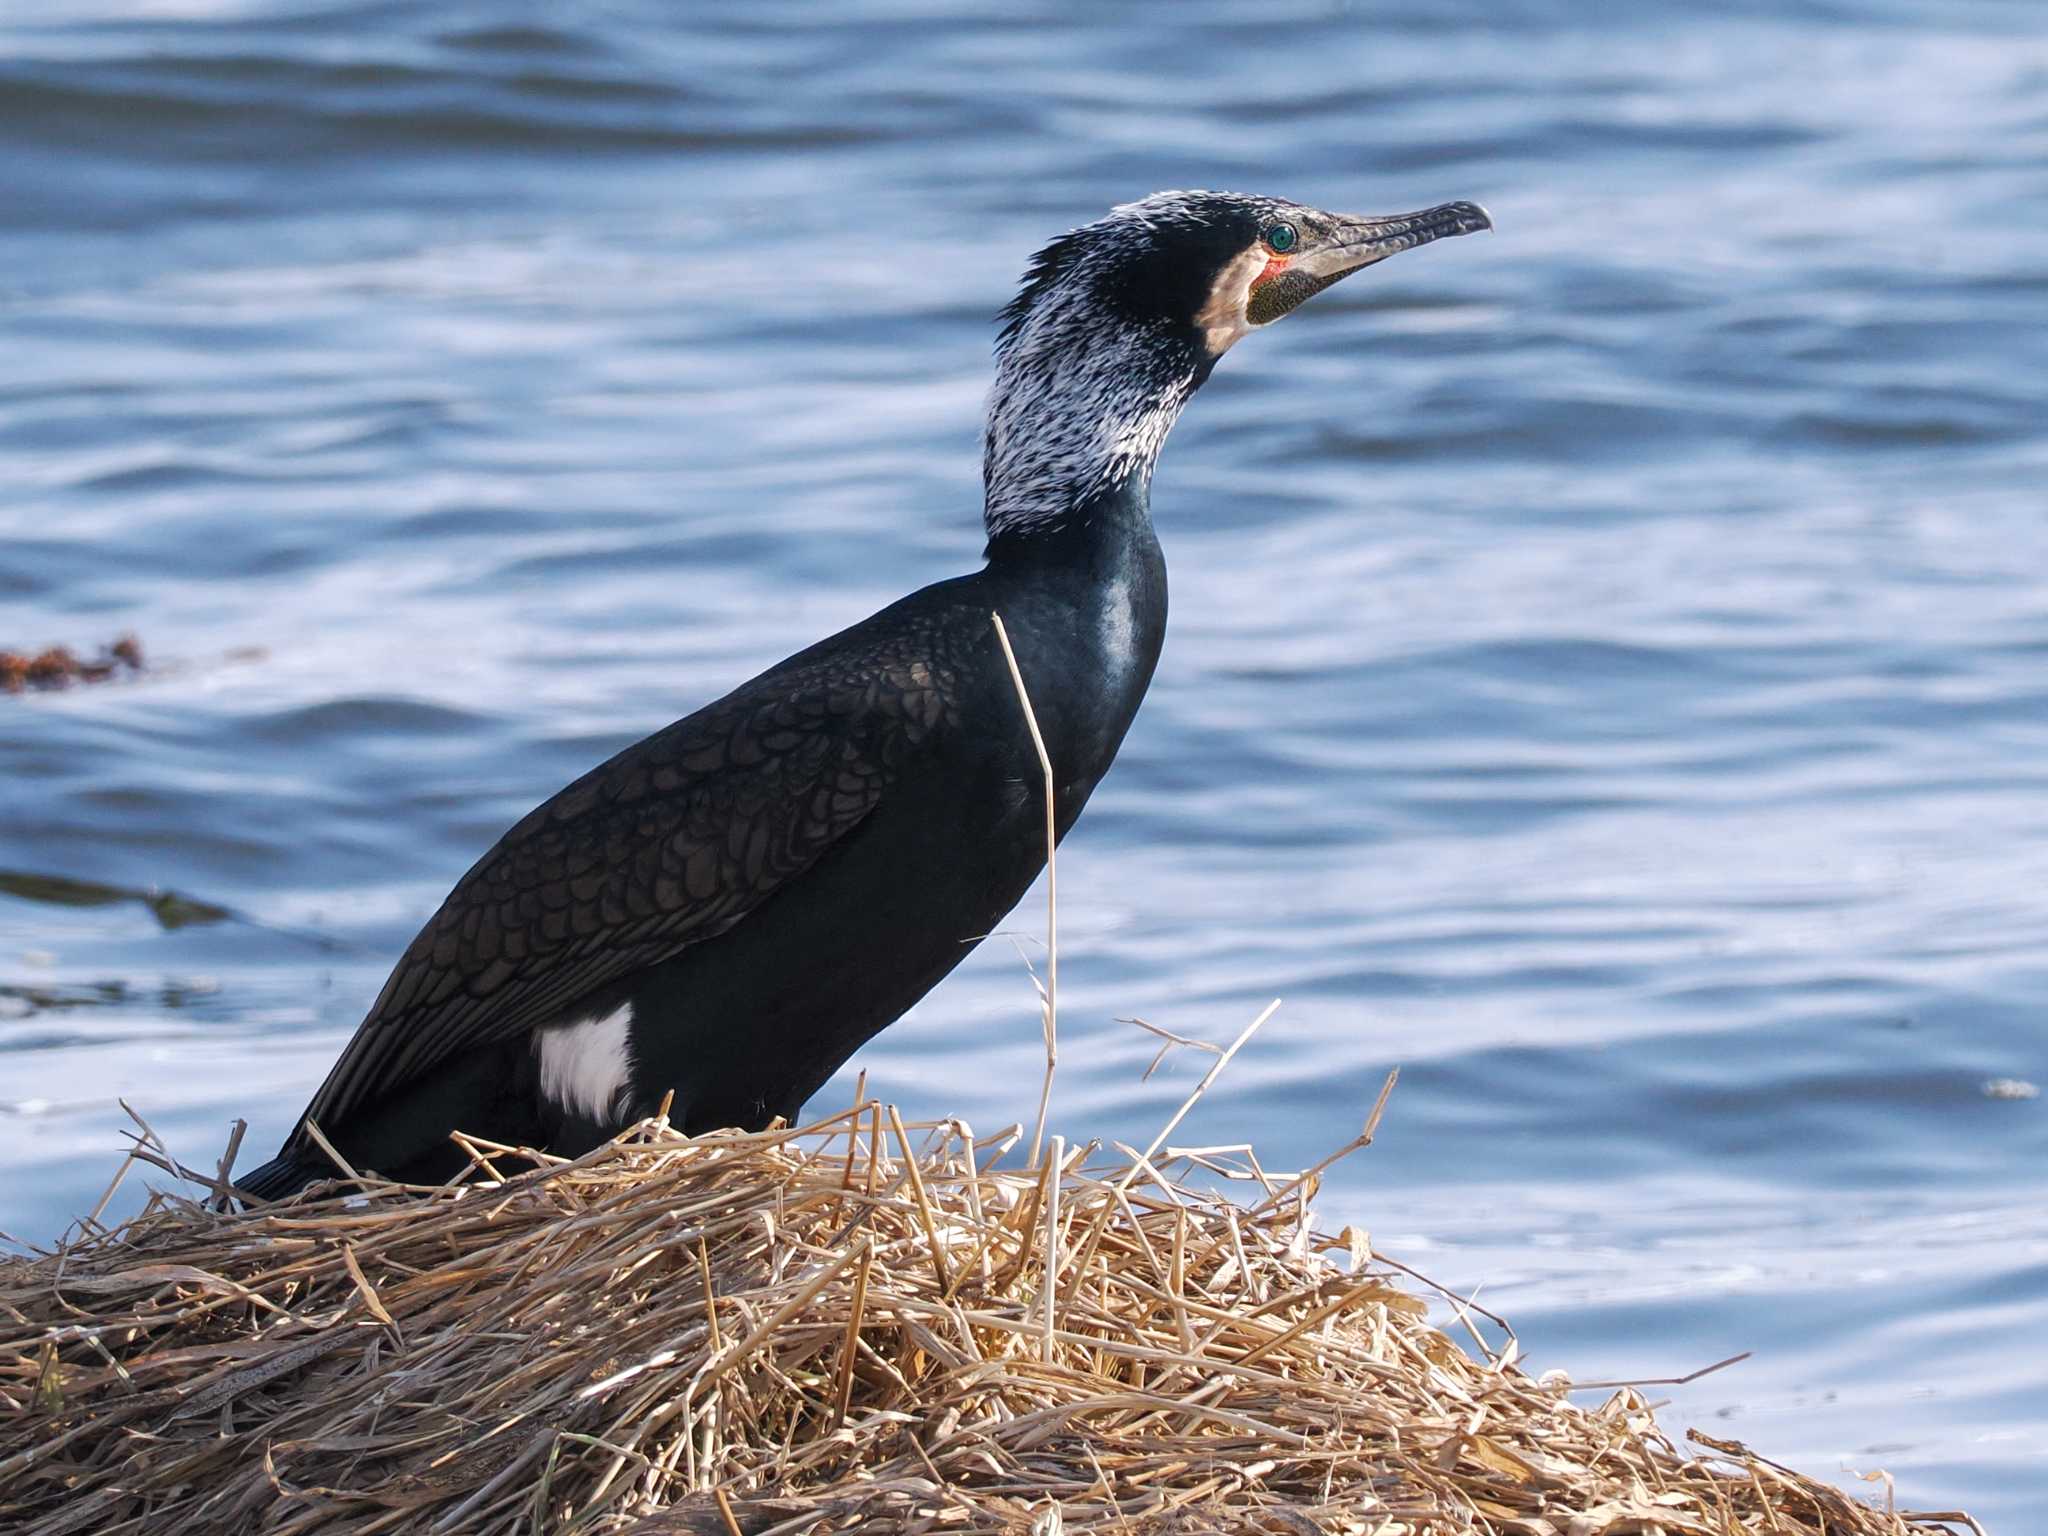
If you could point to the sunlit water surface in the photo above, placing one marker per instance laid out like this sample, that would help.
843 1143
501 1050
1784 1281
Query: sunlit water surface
1609 667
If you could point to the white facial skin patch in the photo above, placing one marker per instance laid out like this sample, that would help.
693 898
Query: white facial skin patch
1222 320
585 1067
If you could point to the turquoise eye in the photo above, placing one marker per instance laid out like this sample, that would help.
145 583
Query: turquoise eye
1282 237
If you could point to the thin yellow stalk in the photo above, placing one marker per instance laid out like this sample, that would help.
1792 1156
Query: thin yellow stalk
1222 1061
1051 1004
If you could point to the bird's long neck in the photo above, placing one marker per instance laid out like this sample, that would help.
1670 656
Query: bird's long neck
1083 598
1081 406
1078 413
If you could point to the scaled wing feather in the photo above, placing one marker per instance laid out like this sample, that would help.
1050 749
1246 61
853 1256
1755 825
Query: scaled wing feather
669 843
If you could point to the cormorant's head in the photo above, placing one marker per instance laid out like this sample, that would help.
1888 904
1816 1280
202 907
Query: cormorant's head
1216 265
1119 321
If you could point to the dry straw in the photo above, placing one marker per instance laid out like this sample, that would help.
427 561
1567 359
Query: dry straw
1049 993
862 1324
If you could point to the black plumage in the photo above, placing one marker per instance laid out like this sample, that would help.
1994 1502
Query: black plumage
750 893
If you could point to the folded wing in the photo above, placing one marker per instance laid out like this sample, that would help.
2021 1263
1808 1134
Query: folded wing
671 842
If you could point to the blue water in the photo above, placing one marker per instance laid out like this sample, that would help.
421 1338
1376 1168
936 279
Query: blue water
1608 674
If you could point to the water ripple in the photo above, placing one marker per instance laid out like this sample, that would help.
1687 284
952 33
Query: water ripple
1605 676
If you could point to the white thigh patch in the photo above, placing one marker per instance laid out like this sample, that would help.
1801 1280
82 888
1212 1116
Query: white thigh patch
585 1067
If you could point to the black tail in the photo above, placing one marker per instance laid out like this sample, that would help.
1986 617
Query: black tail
285 1174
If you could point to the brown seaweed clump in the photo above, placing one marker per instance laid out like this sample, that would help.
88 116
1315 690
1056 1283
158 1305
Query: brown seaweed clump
59 667
858 1325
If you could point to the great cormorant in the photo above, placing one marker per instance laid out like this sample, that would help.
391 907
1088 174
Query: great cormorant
729 908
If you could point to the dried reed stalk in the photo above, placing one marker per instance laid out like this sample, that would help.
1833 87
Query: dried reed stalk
746 1333
1051 1001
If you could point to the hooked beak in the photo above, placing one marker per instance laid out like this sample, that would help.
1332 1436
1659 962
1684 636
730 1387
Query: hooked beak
1359 242
1351 243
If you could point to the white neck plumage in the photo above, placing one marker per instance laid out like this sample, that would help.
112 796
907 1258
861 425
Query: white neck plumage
1079 411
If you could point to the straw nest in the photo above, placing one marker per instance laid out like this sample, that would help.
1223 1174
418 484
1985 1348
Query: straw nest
860 1324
